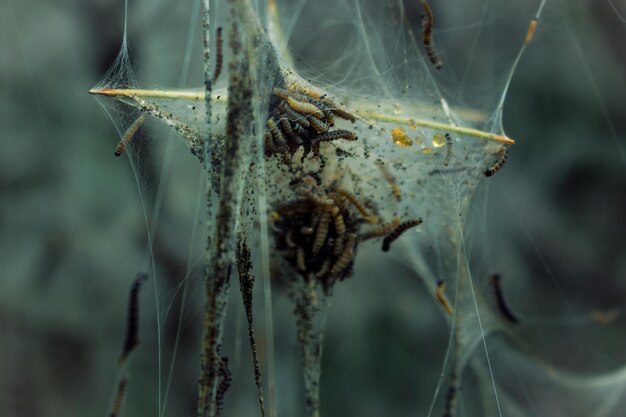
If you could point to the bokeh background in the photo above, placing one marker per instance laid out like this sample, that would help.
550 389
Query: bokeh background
73 227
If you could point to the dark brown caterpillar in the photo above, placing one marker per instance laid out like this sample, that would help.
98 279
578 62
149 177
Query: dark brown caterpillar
531 31
119 398
504 308
428 22
129 135
402 227
446 161
498 164
440 294
219 55
132 322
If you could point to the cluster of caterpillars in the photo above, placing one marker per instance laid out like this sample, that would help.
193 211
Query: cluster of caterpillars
319 235
302 120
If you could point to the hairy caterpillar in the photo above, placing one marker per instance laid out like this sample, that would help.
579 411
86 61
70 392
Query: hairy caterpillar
402 227
129 135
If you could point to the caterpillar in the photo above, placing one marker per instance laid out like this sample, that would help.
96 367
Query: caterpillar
328 114
324 269
504 308
344 114
269 144
223 386
395 189
280 144
428 22
318 124
446 161
345 258
219 55
322 231
531 31
295 140
450 396
303 107
355 202
340 230
335 134
293 115
382 230
498 164
440 294
402 227
281 93
129 135
300 260
132 322
119 398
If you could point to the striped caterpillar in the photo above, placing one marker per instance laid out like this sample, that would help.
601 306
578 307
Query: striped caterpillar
132 324
498 164
402 227
119 398
428 22
219 54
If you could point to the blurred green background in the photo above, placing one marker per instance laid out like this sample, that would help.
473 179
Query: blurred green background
73 232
